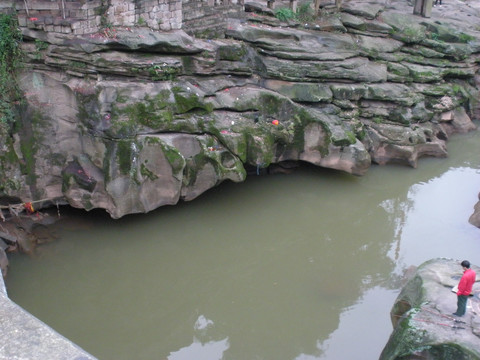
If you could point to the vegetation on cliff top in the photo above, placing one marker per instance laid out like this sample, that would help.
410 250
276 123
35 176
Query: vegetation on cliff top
10 54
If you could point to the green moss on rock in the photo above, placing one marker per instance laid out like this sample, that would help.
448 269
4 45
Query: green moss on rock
125 155
146 173
232 52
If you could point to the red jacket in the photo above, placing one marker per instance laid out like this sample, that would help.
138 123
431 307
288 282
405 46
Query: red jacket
466 282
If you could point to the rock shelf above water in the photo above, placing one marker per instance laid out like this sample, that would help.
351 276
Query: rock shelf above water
133 119
424 326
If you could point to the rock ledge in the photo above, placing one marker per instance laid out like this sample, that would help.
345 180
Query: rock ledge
424 327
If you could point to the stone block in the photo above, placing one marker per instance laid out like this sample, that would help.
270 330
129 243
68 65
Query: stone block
165 27
446 116
91 30
22 21
72 5
77 25
43 5
130 20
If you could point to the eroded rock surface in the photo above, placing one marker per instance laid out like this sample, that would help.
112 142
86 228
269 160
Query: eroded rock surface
136 119
424 327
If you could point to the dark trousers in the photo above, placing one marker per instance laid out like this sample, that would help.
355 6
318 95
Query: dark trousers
461 304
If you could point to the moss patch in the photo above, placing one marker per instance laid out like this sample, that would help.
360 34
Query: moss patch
146 173
232 52
186 101
125 155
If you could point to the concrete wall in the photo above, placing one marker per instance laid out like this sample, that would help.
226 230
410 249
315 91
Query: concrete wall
25 337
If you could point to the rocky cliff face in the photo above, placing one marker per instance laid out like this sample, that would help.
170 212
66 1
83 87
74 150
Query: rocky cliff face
131 119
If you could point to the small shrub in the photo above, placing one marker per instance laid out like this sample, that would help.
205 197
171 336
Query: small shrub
10 62
284 14
162 72
465 38
40 45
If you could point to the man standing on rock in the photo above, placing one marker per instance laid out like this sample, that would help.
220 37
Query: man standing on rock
464 288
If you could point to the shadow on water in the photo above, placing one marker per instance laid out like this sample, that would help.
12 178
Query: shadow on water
278 267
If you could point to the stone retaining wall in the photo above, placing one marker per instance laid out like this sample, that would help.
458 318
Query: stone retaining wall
78 17
156 14
25 337
90 16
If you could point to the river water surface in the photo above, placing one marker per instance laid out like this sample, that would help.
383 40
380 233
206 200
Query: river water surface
287 267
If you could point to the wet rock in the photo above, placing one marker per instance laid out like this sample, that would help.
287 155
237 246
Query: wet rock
422 320
3 259
475 217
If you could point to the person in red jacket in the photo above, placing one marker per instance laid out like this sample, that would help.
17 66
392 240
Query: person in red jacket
464 288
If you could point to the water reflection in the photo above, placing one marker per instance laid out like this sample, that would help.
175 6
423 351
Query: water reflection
202 348
212 350
436 214
358 322
304 266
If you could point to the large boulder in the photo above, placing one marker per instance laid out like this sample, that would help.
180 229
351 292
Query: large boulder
424 327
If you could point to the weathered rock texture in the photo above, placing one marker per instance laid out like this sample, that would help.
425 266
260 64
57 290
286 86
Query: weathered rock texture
423 325
131 119
475 218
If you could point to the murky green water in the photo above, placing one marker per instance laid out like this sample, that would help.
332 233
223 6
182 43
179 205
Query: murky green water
287 267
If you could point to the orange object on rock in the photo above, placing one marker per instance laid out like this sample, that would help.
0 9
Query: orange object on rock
275 122
29 207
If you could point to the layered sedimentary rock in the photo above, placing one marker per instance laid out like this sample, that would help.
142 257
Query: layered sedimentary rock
132 119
